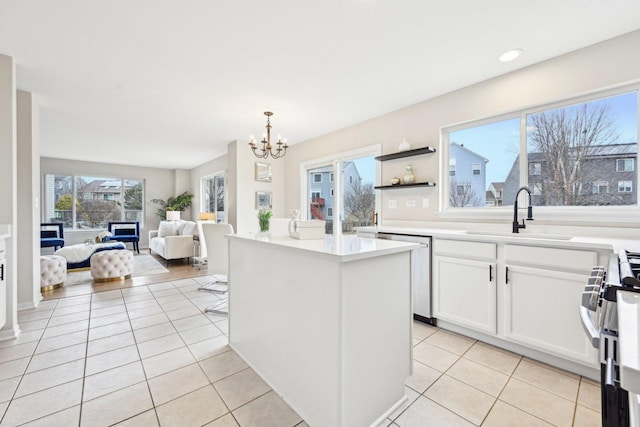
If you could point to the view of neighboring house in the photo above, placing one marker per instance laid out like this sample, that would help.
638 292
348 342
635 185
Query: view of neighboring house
467 177
97 200
607 177
321 189
494 194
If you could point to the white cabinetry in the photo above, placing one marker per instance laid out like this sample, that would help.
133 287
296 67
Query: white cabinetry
3 284
520 294
541 292
464 289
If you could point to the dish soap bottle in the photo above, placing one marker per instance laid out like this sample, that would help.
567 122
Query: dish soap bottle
408 177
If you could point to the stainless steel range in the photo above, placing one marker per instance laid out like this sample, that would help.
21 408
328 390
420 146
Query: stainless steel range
599 313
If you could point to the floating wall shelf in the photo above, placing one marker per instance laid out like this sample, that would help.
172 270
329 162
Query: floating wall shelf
416 184
408 153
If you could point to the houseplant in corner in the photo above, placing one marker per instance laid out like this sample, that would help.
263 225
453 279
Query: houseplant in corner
174 203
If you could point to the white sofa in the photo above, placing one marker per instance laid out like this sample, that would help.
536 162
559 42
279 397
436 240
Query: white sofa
173 239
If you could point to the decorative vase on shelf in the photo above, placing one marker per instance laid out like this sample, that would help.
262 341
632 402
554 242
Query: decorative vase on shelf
404 145
408 177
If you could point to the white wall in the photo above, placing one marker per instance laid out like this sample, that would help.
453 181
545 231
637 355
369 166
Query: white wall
243 186
597 67
159 184
28 201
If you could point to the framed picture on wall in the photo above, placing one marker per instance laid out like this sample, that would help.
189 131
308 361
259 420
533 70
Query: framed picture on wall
263 200
263 172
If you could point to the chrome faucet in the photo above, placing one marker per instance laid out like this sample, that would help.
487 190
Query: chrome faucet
516 226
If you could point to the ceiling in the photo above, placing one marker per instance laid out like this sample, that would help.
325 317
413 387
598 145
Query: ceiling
165 83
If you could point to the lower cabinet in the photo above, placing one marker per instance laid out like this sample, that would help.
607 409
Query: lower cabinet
466 292
528 295
541 311
464 276
3 284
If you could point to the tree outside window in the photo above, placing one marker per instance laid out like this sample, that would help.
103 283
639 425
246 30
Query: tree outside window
84 202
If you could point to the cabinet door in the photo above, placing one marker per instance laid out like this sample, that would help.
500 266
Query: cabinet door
541 311
465 293
3 292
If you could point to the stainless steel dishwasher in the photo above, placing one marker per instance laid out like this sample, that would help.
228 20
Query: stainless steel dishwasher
420 274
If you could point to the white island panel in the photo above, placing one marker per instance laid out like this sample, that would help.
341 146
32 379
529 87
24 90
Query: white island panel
331 336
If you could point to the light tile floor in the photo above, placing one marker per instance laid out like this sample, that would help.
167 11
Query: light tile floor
148 356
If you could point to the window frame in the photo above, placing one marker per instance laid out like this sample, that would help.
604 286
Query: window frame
561 215
104 197
334 160
204 208
624 160
630 186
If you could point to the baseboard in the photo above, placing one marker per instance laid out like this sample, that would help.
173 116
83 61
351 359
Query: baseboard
9 334
30 304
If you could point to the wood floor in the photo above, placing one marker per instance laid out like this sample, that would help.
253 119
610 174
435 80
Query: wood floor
177 270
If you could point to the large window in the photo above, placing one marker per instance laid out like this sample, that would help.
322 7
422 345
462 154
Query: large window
213 195
87 202
574 154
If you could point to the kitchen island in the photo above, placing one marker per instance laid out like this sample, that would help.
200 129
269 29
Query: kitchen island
326 323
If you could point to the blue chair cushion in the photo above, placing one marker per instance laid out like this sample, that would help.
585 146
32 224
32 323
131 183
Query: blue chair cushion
48 242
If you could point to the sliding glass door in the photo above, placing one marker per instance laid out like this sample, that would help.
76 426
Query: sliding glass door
341 191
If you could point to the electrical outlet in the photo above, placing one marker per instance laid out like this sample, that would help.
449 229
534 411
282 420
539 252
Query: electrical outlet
392 204
411 203
425 202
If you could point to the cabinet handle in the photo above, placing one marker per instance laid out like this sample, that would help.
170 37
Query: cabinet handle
1 272
506 275
490 273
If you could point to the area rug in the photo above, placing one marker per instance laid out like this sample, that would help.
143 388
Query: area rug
143 265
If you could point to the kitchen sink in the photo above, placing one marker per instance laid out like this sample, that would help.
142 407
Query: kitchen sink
520 235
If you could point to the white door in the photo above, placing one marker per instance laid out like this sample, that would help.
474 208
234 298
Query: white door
541 311
464 292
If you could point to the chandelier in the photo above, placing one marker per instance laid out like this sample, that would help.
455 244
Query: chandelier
267 149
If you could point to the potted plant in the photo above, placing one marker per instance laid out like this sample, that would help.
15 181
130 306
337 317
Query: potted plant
175 203
264 215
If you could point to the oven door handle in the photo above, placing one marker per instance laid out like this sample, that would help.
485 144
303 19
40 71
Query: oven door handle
589 327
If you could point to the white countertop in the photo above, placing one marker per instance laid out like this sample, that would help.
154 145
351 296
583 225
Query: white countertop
343 248
524 237
629 340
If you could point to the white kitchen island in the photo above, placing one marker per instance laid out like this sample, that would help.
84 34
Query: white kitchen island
326 323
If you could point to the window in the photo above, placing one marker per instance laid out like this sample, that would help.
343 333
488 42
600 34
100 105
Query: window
85 202
600 187
350 200
564 153
624 165
317 177
475 168
535 168
625 186
212 196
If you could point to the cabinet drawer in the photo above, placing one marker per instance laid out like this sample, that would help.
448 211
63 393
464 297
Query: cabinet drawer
465 249
560 259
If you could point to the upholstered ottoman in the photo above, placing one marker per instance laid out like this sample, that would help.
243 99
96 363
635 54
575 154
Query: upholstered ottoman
107 266
53 272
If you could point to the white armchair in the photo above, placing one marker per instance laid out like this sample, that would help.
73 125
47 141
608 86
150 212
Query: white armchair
173 239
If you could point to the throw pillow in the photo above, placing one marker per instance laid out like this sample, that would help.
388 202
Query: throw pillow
167 228
190 227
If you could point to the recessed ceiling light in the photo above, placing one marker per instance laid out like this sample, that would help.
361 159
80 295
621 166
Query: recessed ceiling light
510 55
